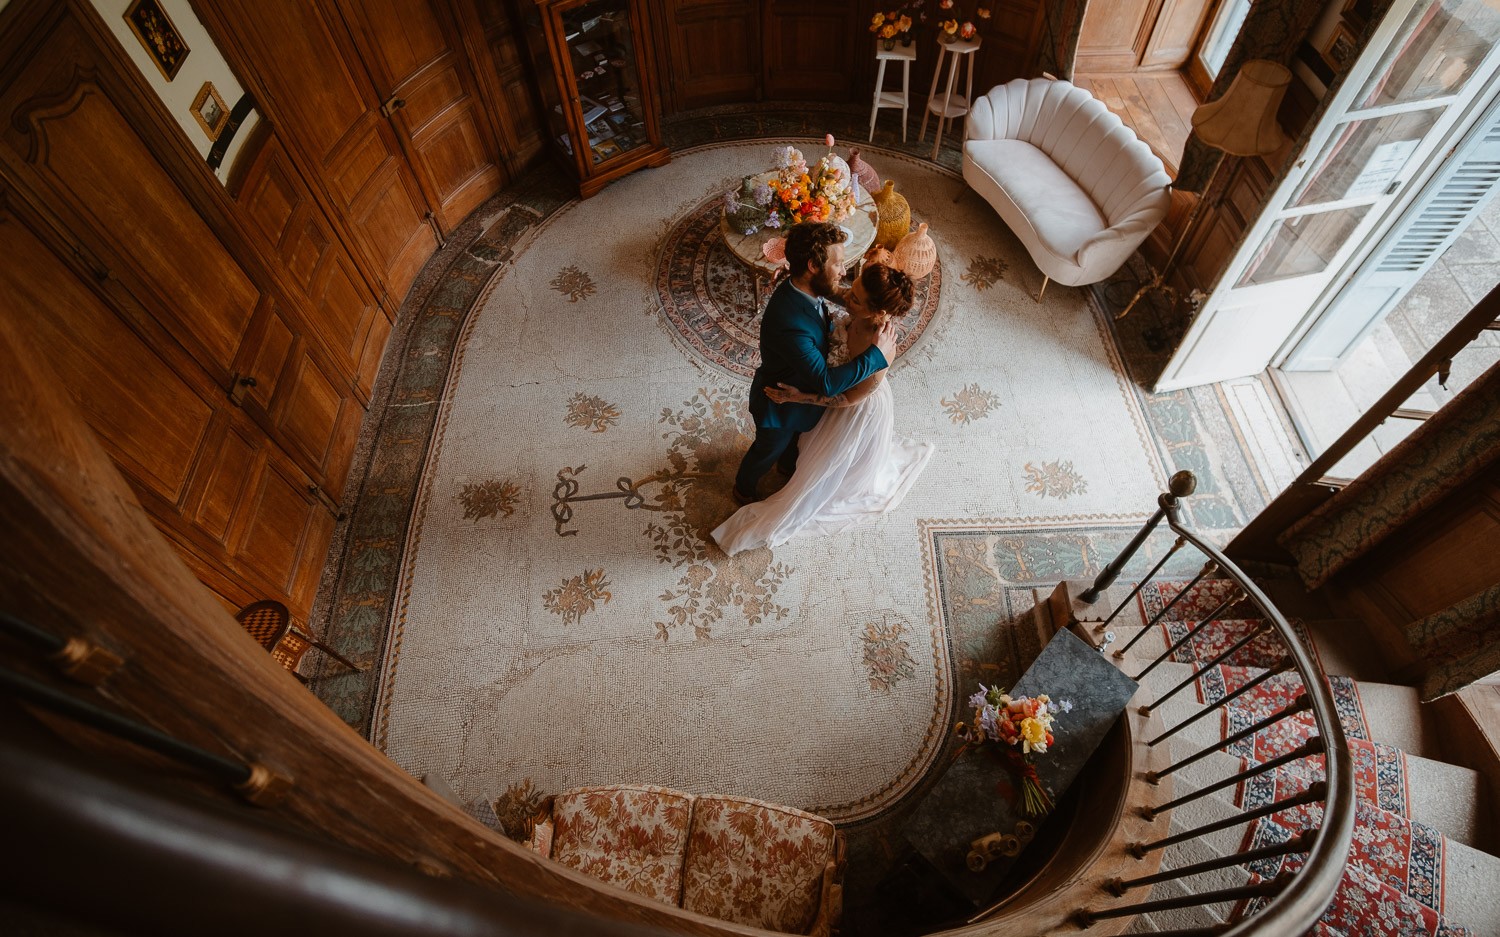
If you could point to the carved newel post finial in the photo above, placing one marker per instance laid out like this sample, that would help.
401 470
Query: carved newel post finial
1182 484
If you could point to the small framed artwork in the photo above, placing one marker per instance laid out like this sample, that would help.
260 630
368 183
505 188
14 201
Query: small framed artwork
154 29
1341 49
209 110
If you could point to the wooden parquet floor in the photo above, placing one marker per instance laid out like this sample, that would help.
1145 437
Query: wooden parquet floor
1156 105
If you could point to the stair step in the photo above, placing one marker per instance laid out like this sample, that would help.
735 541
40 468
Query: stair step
1471 897
1393 715
1220 635
1201 599
1344 647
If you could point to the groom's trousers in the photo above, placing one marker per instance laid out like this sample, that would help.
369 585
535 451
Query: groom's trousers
771 445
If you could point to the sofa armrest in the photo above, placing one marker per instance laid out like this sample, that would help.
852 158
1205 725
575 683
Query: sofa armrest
1107 251
831 901
540 838
980 121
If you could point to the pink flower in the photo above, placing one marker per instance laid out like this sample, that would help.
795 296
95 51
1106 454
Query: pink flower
828 139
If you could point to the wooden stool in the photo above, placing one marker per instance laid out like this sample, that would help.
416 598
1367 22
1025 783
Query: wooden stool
950 105
883 98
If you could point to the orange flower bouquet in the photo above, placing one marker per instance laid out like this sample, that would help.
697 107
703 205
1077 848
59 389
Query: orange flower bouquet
821 192
1022 726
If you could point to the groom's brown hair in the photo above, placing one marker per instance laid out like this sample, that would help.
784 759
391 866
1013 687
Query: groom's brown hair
809 242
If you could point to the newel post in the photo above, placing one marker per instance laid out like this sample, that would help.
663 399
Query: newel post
1168 504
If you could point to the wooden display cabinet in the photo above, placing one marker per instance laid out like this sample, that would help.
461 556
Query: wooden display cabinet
600 103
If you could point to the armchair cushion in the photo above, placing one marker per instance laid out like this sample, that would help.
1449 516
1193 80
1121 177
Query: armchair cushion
632 836
1027 188
757 863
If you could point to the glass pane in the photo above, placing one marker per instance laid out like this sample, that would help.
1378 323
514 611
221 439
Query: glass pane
1438 48
1365 157
1298 246
602 54
1221 36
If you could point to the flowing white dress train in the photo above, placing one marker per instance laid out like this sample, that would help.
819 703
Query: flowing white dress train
851 468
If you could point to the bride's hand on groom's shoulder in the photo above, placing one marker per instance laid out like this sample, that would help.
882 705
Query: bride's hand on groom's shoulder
886 339
786 393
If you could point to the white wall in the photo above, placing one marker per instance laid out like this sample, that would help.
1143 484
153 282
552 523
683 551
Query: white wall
203 63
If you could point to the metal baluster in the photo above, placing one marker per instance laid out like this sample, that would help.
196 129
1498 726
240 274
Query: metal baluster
1212 616
1282 666
1317 791
1257 632
1313 746
1177 545
1302 704
1179 486
1085 918
1208 567
1302 842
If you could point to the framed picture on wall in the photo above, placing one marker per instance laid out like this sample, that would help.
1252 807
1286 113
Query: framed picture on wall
1341 49
154 29
209 110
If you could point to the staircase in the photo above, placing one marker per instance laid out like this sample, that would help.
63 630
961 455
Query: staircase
1413 866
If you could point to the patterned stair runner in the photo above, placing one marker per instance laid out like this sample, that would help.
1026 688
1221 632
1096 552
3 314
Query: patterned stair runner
1393 882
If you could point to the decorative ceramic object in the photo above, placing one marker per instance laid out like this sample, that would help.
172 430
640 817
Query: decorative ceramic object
869 179
894 216
878 255
774 250
916 255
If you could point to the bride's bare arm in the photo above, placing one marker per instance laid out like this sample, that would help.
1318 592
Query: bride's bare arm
786 393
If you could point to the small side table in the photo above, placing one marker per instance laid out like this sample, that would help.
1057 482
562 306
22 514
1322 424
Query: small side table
883 98
949 105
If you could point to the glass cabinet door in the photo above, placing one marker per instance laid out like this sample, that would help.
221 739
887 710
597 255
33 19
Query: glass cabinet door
602 63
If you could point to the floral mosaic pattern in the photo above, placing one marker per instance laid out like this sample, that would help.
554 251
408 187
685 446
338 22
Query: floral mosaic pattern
574 284
984 272
1057 479
755 863
577 595
517 808
632 837
887 656
486 499
594 414
969 403
709 299
708 436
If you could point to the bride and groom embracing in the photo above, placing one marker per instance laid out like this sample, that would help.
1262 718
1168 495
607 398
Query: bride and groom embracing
826 424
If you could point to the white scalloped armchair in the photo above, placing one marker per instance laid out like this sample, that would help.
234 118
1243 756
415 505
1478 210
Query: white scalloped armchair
1075 184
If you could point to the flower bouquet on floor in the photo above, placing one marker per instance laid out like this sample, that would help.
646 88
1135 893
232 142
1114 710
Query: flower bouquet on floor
1022 728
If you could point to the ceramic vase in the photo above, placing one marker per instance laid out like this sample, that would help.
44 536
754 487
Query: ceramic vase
916 255
869 179
888 44
893 214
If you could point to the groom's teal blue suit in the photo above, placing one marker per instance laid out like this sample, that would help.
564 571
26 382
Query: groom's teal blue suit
793 350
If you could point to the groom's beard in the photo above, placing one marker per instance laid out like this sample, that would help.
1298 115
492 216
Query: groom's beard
826 282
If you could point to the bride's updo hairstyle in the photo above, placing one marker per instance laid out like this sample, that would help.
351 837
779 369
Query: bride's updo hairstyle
889 290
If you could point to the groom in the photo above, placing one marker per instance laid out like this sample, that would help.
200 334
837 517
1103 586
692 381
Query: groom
794 350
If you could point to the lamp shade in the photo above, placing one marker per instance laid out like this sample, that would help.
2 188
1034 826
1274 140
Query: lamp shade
1242 122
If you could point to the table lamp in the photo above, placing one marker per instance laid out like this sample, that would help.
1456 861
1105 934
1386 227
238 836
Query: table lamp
1242 122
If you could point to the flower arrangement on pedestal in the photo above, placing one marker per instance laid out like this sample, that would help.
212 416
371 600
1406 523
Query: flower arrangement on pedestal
796 193
892 25
954 23
1022 727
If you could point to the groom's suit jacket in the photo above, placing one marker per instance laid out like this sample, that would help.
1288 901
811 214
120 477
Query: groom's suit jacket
794 350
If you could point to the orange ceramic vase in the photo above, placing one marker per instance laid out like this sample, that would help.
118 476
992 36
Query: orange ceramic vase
916 255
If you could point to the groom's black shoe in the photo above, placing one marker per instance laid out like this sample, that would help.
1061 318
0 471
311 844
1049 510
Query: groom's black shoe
743 499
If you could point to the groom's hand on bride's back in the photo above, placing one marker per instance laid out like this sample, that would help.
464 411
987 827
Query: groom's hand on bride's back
885 340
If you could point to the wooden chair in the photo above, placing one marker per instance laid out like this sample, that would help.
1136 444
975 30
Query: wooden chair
270 624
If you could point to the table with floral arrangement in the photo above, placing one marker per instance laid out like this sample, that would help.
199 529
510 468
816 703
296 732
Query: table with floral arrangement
756 216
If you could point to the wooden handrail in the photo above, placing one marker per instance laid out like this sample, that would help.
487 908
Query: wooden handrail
1309 490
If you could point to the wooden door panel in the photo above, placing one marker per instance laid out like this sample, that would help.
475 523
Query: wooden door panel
1176 27
63 122
273 347
714 48
280 516
345 311
151 421
808 51
271 194
231 468
1114 35
401 38
454 158
429 96
371 355
318 421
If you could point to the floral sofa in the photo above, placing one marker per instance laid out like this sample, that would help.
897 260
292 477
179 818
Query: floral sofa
731 858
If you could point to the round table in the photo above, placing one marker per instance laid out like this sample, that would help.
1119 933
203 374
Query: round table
749 249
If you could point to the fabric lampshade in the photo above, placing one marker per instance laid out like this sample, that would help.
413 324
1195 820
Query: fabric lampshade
1243 121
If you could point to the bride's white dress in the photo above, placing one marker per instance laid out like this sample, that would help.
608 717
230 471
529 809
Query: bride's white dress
851 468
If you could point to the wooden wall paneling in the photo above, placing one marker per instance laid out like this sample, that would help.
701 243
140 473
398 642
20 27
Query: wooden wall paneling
1114 35
1175 34
492 32
713 52
815 53
301 64
1011 43
319 421
420 71
65 111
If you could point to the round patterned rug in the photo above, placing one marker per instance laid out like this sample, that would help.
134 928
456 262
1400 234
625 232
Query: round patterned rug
708 296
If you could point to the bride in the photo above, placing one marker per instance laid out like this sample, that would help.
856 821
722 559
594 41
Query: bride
850 466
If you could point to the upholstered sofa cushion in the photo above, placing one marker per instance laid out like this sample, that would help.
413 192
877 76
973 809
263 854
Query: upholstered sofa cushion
1073 182
633 836
756 863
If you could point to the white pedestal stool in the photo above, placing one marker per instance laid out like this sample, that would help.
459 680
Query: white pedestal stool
948 105
883 98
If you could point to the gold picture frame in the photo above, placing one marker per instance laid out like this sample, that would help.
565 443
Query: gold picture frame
154 28
1341 49
210 111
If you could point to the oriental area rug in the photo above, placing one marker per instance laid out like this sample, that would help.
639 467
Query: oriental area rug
527 573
